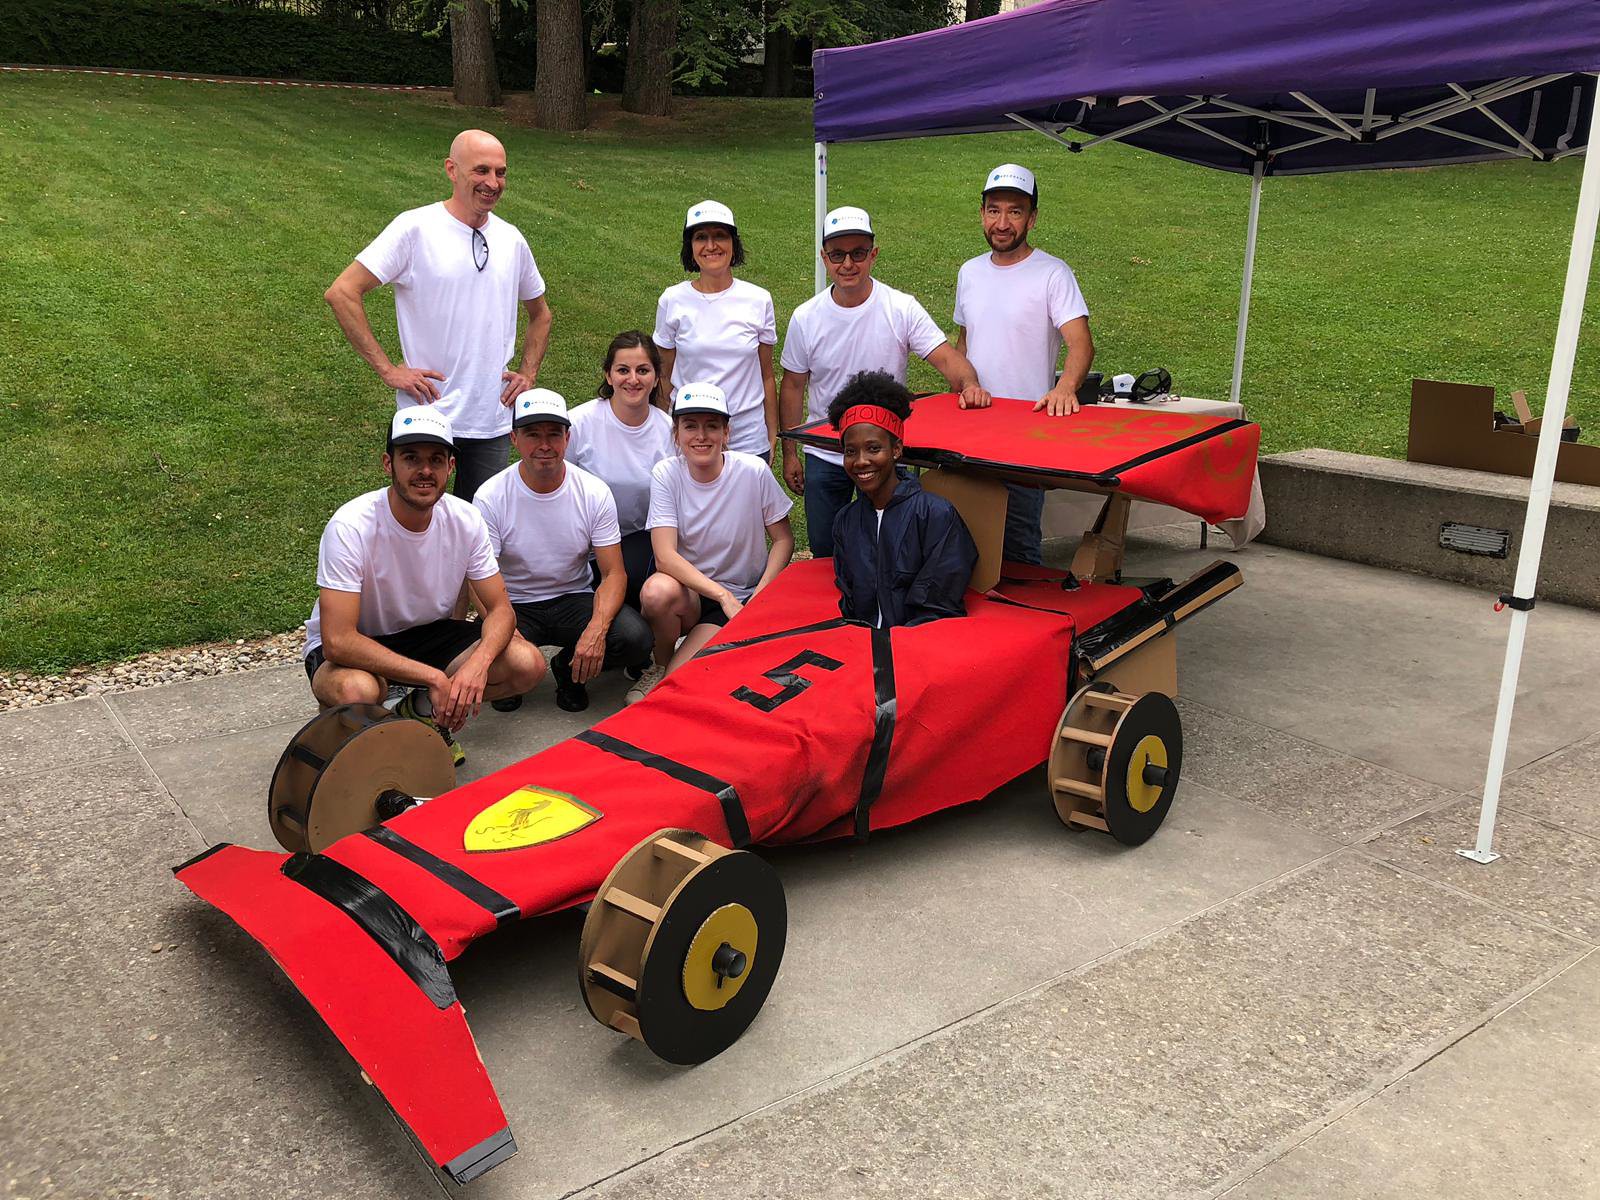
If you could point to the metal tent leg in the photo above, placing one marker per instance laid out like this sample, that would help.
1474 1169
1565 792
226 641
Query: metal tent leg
1544 470
1249 273
822 208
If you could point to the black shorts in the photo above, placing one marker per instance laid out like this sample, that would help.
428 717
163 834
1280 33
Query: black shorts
437 643
711 612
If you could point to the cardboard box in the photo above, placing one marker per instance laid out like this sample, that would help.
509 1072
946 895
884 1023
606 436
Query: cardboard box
1452 425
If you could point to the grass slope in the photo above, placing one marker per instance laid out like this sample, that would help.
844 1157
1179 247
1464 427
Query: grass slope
184 413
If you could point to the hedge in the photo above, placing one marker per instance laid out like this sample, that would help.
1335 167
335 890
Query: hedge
174 35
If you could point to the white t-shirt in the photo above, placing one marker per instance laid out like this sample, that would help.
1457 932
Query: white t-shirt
1013 317
833 343
621 454
722 525
405 579
454 318
543 540
715 338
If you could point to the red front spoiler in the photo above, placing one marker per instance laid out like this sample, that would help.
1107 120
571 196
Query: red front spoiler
381 986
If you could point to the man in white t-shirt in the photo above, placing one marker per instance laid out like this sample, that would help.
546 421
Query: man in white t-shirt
1016 306
545 518
389 569
858 324
459 273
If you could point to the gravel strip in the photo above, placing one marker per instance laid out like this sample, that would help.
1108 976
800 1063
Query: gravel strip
23 689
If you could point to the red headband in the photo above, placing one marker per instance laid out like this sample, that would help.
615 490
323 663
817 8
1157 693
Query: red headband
872 414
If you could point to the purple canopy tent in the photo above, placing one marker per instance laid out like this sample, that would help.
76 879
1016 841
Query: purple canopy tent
1266 88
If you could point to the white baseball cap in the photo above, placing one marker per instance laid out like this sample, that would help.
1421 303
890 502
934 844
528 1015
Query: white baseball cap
420 423
846 220
699 398
1013 178
709 212
539 404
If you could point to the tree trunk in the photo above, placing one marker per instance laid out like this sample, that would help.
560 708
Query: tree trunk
777 71
647 79
558 101
477 80
978 9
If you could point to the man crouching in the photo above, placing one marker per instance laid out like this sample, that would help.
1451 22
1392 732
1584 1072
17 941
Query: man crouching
389 570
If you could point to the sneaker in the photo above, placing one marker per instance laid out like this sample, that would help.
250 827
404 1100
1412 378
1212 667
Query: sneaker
396 693
506 704
635 671
570 696
408 708
648 678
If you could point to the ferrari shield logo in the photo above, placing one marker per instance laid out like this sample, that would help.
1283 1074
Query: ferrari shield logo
529 816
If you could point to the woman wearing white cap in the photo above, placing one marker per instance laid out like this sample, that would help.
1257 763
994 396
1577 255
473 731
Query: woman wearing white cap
713 512
721 330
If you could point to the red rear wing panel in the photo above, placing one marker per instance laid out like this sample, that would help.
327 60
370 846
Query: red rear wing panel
1200 464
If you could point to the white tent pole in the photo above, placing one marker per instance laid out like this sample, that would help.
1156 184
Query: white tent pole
1249 272
1544 470
822 210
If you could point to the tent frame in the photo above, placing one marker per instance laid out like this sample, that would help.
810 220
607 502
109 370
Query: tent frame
1370 126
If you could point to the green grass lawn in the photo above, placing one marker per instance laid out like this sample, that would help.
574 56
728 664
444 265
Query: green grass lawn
184 414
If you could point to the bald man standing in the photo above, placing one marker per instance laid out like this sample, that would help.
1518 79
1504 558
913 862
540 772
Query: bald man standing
459 272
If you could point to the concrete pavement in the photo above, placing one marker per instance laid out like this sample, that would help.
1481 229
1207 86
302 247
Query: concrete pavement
1296 989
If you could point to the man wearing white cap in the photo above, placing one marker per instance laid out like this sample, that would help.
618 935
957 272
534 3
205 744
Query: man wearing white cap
721 330
389 569
858 324
459 274
546 516
1015 307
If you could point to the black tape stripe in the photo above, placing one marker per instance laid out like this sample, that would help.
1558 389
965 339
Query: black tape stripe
726 794
385 922
201 857
836 623
503 908
1007 600
1192 440
882 729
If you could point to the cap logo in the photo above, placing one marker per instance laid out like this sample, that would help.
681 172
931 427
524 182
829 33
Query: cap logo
407 421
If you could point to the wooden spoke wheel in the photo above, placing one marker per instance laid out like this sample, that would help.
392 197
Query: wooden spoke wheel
682 943
1116 761
349 769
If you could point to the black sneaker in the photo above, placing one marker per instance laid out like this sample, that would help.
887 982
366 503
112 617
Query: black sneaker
506 704
570 696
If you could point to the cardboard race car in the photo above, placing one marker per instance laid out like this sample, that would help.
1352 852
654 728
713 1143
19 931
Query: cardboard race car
793 724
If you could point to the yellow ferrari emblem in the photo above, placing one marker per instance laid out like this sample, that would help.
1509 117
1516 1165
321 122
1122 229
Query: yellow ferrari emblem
529 816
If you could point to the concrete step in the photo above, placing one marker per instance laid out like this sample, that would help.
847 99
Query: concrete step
1395 514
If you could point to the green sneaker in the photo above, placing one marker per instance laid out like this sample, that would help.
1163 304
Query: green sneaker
408 708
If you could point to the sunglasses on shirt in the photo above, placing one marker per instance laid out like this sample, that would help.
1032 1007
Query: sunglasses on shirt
480 249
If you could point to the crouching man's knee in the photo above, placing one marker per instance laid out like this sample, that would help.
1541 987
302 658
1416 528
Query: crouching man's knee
523 665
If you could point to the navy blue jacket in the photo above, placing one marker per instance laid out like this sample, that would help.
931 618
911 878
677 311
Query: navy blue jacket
915 569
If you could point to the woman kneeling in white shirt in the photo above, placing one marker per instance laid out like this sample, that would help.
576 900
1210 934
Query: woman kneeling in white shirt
620 437
712 511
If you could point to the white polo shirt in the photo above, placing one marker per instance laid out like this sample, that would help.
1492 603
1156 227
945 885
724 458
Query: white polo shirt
543 540
405 579
622 455
1013 317
722 525
454 318
833 343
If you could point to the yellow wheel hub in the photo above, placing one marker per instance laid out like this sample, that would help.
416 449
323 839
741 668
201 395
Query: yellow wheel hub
1151 751
720 957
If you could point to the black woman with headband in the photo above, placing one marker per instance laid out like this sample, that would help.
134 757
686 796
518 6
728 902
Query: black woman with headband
901 556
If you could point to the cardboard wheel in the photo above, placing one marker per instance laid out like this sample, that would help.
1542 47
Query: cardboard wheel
1116 761
682 945
330 777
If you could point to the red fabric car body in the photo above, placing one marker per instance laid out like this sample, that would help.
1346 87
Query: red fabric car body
792 725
